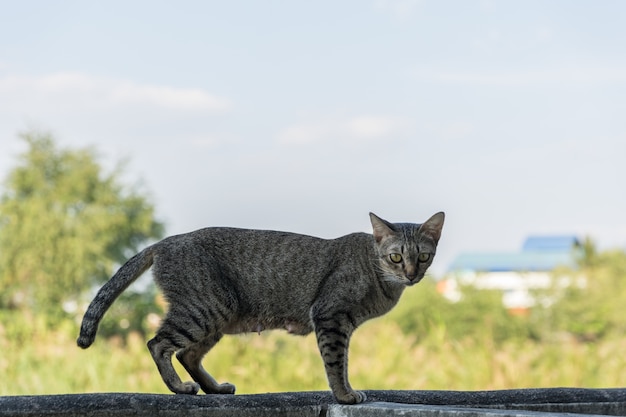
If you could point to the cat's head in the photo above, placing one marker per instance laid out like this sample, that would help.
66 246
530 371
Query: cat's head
406 250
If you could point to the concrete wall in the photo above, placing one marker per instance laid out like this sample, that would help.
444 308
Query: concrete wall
514 403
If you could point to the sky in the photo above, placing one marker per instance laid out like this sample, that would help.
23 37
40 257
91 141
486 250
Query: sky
305 116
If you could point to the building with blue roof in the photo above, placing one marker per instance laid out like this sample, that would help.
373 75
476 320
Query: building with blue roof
516 274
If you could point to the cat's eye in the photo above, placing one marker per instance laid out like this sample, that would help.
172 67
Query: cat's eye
396 258
423 257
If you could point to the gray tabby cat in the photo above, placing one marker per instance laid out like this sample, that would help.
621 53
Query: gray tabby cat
221 281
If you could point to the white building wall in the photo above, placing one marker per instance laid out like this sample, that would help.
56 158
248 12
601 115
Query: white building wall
517 287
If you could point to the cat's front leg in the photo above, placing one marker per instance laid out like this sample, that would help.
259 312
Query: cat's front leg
333 338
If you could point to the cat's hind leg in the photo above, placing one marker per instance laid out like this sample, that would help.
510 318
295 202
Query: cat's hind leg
191 358
180 329
161 349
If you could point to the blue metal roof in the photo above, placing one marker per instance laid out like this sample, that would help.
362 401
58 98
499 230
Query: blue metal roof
523 261
550 243
538 254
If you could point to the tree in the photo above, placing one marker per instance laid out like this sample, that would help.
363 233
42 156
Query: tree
423 311
592 307
65 224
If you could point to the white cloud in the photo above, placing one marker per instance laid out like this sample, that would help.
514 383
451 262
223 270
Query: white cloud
487 5
303 134
212 140
168 97
452 131
543 34
83 90
400 9
354 129
372 126
117 114
556 76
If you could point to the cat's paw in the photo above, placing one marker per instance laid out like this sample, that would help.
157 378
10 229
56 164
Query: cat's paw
188 388
226 388
352 397
216 388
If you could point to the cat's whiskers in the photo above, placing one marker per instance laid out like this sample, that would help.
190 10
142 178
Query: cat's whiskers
387 275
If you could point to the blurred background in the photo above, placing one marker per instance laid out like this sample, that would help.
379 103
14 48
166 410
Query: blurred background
123 122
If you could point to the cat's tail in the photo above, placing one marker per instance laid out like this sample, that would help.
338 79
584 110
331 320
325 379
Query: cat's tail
128 273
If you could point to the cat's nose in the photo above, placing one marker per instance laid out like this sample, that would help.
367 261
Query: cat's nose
410 272
413 279
410 275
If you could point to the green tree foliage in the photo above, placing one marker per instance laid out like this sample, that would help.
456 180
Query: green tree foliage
593 305
424 312
64 224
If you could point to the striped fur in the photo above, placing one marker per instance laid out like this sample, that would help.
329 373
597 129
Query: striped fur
221 281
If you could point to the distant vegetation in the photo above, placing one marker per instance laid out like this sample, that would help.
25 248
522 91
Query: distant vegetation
65 224
472 352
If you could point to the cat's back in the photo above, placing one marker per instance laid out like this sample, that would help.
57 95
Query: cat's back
253 242
249 252
272 247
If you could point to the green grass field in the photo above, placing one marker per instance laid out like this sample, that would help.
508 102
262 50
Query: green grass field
381 357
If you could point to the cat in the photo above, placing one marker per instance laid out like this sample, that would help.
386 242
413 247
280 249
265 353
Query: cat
221 281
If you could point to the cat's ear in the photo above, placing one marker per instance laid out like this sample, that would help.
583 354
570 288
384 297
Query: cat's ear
382 228
433 226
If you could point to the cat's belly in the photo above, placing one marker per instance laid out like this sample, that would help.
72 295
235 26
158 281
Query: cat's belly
257 326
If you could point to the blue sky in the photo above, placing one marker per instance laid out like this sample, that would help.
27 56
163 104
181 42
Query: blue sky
305 116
